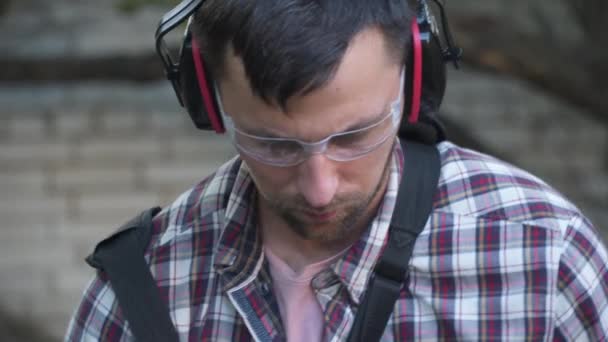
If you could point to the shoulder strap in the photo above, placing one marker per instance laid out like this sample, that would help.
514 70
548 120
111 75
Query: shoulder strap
412 209
120 256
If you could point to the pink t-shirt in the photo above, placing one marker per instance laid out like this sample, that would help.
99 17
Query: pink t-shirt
300 311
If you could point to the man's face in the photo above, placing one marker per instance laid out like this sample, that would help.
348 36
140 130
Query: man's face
321 199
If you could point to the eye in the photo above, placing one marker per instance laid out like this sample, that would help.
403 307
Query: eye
349 139
280 147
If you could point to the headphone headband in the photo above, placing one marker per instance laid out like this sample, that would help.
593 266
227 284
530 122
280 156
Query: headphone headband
167 23
425 83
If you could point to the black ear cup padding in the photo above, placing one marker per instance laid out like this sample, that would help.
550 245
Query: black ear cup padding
433 74
427 130
189 87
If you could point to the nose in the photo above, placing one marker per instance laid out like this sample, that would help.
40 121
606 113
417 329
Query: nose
317 180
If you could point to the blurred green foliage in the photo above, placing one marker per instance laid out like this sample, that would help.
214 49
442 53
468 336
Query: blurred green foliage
130 6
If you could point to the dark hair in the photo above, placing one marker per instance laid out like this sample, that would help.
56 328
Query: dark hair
291 47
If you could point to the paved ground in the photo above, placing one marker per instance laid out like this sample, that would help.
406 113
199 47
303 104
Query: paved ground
76 160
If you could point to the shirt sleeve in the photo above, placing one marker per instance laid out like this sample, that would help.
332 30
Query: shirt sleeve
582 294
98 316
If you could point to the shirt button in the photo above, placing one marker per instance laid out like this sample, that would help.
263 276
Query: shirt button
265 288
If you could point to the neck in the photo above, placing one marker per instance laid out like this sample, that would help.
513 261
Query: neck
296 251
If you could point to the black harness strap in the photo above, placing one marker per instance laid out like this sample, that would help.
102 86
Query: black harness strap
120 256
412 209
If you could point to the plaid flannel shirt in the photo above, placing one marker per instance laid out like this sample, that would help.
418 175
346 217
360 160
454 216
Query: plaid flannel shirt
502 257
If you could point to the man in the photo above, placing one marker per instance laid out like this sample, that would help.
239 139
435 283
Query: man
280 242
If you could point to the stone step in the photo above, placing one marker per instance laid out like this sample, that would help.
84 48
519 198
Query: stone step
33 181
112 209
35 155
91 96
93 179
33 210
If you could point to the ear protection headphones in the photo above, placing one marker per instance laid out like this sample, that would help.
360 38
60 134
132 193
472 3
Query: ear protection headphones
425 69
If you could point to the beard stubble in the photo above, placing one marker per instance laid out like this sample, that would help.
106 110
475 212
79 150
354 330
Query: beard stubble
351 209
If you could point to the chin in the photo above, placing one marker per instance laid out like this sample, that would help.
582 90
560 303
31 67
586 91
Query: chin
340 227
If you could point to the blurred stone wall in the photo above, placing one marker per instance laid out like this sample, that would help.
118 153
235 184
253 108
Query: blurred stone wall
77 159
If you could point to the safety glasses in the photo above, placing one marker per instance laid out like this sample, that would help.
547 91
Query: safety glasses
344 146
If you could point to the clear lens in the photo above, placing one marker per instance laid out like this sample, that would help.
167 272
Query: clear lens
270 151
340 147
344 146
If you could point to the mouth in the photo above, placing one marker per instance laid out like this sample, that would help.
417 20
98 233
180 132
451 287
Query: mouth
321 216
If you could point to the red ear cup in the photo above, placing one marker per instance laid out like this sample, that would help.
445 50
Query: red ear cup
425 81
195 87
416 71
206 89
425 70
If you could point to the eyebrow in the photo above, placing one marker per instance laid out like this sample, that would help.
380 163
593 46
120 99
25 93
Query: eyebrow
262 132
365 123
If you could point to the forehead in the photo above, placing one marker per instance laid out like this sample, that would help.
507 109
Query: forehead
364 83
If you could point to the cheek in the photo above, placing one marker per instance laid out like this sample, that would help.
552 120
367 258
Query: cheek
365 173
268 179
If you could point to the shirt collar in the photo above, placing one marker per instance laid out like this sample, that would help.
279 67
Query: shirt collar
240 245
